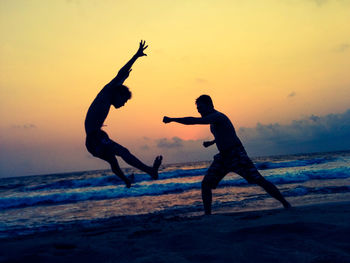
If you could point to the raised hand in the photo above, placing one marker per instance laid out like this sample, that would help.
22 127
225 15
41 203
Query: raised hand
124 72
141 49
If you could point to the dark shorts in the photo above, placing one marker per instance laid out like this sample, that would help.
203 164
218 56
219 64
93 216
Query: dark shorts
100 145
231 161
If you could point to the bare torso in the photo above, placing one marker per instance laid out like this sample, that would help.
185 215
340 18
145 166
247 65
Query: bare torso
98 111
224 132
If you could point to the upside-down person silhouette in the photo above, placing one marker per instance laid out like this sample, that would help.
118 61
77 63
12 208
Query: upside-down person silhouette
232 156
97 141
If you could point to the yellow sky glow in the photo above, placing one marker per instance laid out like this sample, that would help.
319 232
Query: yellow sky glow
261 61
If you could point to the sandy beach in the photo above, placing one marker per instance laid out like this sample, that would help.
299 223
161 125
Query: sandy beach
315 233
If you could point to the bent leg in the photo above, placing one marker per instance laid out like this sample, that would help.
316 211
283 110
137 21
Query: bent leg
100 146
132 160
116 169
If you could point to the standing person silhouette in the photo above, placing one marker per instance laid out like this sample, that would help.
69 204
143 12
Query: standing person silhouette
97 141
232 156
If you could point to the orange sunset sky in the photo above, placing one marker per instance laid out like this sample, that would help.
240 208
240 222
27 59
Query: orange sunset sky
266 62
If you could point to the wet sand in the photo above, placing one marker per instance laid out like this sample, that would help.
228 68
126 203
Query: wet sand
315 233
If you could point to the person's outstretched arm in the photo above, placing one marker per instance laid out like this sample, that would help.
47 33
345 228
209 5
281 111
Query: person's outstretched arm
124 72
190 120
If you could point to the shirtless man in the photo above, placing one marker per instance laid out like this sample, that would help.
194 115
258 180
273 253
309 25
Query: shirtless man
97 141
232 156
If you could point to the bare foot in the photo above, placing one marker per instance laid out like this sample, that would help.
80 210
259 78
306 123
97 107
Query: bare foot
156 164
127 183
131 178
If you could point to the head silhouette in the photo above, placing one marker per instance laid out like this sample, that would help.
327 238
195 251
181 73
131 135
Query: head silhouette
120 96
205 105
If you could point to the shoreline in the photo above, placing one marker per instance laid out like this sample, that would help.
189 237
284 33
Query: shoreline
310 233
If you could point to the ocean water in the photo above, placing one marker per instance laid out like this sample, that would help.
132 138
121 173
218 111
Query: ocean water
49 202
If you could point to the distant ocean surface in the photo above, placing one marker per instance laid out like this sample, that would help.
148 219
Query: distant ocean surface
51 202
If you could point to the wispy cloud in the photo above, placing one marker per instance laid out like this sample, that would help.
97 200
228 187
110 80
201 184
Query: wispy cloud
175 142
24 126
291 95
342 47
201 80
320 2
144 147
313 133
